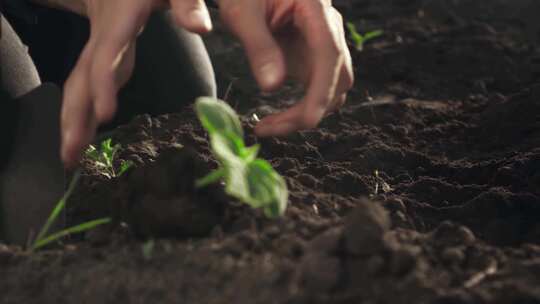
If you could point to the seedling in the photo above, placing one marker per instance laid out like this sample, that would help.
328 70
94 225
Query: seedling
148 249
104 159
359 39
250 179
44 239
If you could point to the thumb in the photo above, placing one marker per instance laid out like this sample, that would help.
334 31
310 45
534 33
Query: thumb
192 15
247 21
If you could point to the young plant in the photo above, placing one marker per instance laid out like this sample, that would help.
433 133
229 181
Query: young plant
359 39
43 238
104 159
250 179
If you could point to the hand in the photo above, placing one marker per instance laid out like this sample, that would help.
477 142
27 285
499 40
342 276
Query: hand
106 63
303 39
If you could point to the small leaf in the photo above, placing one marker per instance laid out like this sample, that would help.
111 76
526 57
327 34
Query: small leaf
106 145
267 188
355 36
210 178
251 180
250 154
125 166
359 39
372 35
217 116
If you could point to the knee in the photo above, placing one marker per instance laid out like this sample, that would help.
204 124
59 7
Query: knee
206 85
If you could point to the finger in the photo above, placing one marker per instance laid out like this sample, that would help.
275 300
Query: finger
337 103
314 22
346 80
247 20
192 15
280 124
111 47
77 117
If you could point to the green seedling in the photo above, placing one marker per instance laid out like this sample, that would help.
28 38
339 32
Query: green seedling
43 238
148 249
104 158
359 39
250 179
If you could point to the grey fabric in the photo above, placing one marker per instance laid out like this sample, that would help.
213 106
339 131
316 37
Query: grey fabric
18 74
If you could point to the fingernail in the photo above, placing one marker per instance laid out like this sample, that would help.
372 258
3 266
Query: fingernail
269 74
201 16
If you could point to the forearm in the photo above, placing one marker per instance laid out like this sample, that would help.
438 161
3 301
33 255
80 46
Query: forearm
75 6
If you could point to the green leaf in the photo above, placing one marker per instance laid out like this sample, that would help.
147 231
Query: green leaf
210 178
247 178
372 35
355 36
125 166
72 230
267 188
226 146
250 154
358 39
217 116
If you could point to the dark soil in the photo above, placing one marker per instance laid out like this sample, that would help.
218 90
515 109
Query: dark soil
424 188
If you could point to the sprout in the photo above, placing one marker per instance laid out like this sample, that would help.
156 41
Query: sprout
250 179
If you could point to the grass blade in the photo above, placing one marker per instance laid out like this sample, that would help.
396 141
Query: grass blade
58 208
72 230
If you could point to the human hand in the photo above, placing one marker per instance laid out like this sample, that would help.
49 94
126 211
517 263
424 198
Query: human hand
303 39
107 61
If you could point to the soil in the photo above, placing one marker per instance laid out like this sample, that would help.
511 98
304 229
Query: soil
424 188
